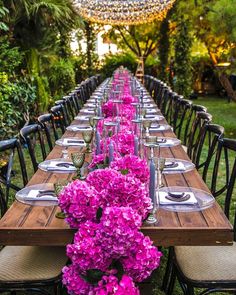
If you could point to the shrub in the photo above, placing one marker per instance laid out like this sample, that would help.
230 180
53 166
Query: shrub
61 78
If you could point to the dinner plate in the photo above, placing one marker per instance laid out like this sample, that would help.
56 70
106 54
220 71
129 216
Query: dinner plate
77 128
173 166
82 118
199 200
154 117
28 195
70 141
88 111
168 141
159 128
56 166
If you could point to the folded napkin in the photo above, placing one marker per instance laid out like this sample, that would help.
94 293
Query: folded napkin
168 142
89 111
33 196
164 201
157 128
150 111
82 118
148 105
53 166
179 167
74 142
154 117
78 128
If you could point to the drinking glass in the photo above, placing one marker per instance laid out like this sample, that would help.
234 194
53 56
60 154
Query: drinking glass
58 187
78 161
88 136
147 124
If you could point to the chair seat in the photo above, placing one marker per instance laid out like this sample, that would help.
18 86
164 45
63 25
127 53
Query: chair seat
27 263
207 263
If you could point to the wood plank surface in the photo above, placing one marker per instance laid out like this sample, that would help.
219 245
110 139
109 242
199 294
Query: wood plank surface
37 225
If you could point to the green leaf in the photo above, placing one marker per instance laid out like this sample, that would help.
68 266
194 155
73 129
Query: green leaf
99 213
93 276
124 171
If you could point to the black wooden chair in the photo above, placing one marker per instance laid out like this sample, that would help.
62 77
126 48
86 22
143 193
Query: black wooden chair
207 145
65 114
181 117
189 121
200 120
30 269
48 125
212 268
31 135
9 149
59 117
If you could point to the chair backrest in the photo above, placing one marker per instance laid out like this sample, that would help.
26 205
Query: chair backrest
65 114
31 135
190 119
199 121
47 124
59 117
207 146
9 148
182 115
220 171
3 204
75 101
70 107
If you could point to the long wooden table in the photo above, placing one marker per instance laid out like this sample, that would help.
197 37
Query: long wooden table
37 225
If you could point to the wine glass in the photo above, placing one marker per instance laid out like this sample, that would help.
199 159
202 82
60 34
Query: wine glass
147 124
58 187
78 161
88 136
160 165
92 122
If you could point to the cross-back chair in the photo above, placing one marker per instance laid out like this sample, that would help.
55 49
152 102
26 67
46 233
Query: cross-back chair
210 267
8 150
30 269
31 135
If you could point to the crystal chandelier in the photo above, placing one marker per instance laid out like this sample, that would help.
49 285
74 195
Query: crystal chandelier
123 12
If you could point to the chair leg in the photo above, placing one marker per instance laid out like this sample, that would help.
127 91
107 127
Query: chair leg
167 275
190 290
171 283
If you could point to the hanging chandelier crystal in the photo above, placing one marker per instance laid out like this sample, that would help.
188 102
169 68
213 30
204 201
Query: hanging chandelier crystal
123 12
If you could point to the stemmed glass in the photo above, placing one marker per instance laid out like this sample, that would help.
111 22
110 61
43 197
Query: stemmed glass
88 136
58 187
162 162
92 122
78 161
147 124
143 112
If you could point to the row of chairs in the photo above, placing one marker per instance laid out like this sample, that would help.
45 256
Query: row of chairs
29 268
211 268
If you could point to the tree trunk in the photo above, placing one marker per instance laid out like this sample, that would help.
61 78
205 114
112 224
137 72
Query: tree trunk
224 80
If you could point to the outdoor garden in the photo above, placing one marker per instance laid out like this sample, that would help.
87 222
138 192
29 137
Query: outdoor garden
180 67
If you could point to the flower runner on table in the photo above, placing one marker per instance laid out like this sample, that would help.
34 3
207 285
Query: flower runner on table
109 253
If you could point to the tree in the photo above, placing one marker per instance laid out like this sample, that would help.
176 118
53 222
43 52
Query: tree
213 23
164 49
182 60
38 28
141 40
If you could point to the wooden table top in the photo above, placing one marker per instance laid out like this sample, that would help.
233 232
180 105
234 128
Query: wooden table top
37 225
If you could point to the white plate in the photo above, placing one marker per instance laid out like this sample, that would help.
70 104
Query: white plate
82 118
183 166
159 128
204 199
77 128
70 141
51 166
25 195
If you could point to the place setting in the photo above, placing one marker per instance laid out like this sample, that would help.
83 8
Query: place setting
184 199
60 165
77 128
70 141
42 194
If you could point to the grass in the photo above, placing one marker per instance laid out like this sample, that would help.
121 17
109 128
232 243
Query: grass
224 114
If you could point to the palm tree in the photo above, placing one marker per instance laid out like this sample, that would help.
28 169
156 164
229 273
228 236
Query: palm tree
39 28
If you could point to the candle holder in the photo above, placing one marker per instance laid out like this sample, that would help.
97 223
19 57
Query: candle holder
88 136
78 161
